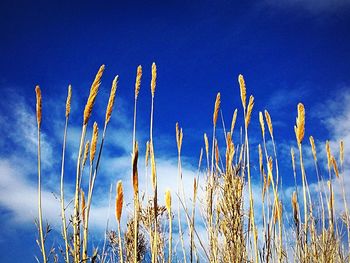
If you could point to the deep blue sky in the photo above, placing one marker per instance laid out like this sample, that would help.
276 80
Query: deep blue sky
287 53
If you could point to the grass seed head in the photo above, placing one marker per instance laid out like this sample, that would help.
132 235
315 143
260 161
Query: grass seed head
135 177
216 108
93 142
262 124
269 122
313 147
300 124
243 90
250 109
86 152
138 81
93 93
234 118
154 78
119 201
168 201
68 101
111 99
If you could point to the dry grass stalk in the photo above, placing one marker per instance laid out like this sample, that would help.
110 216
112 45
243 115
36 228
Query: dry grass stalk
118 213
135 183
329 155
262 124
111 100
83 206
335 166
86 152
341 152
38 119
93 93
313 147
168 207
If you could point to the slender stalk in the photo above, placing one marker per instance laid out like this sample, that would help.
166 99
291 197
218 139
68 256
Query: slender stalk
63 213
120 244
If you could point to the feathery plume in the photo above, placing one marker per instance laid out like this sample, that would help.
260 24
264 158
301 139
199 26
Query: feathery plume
250 109
135 177
243 90
154 78
313 147
269 122
38 105
147 153
216 108
111 99
138 81
68 101
119 201
206 144
179 136
93 93
329 155
93 142
153 167
295 207
234 117
335 166
300 124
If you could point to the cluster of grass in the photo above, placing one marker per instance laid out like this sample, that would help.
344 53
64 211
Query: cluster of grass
232 232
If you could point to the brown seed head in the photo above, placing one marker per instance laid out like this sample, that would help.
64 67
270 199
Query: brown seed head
179 136
329 155
154 78
269 123
119 201
138 81
93 93
38 105
168 201
194 188
83 206
147 153
250 109
295 206
68 101
111 99
153 167
93 142
135 176
216 108
243 90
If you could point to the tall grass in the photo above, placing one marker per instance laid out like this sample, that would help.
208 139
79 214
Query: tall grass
304 227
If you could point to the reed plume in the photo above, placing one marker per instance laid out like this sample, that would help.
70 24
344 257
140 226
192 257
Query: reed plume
93 142
111 100
233 122
269 122
216 108
118 213
300 124
38 105
243 90
138 81
154 78
249 110
68 101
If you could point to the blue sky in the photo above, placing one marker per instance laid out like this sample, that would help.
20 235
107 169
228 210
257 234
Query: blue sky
288 51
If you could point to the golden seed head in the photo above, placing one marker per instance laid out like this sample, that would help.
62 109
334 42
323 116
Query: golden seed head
154 78
313 147
328 151
341 152
68 101
300 124
243 90
93 93
206 144
250 109
111 99
261 163
195 187
233 123
38 105
138 81
83 206
119 201
153 167
179 136
269 122
93 142
216 108
335 166
168 200
262 124
135 177
295 206
86 152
